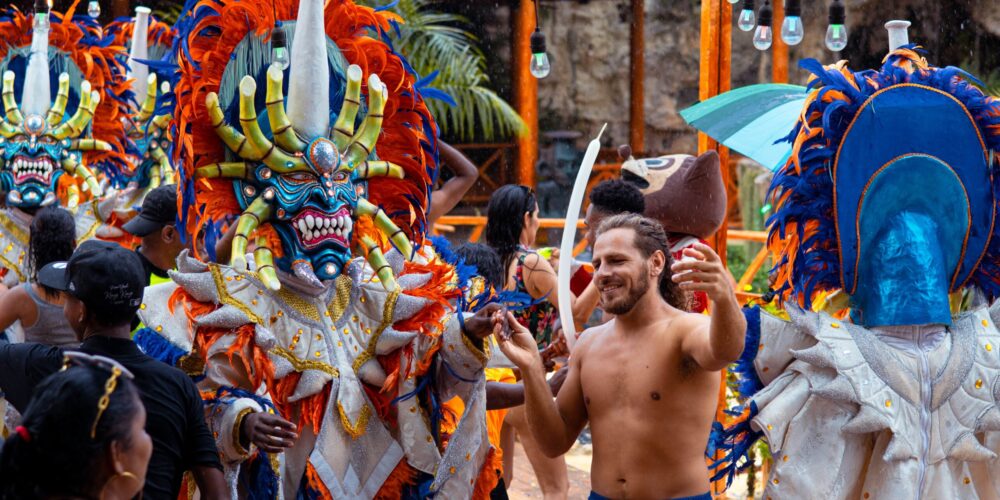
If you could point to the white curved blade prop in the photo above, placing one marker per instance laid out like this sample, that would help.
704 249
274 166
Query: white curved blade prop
569 238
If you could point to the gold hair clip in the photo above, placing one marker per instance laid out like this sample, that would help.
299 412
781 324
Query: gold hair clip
76 358
102 404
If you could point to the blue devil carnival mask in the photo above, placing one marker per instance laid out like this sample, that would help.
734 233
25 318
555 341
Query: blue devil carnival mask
149 130
309 192
37 150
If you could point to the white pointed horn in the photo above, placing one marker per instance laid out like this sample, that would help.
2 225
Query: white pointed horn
138 71
37 96
309 82
898 35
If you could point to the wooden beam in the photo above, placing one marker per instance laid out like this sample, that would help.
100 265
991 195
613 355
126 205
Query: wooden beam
119 8
716 17
525 93
637 114
714 79
779 52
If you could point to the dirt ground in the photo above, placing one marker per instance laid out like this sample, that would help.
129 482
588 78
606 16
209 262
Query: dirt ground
577 467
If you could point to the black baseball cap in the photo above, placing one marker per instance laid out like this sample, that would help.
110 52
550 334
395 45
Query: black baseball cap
105 276
158 209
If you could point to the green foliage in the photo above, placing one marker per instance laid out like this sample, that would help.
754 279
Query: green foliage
739 256
990 80
436 41
168 12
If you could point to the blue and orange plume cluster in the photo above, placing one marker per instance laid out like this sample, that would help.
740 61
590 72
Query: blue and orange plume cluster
803 237
208 34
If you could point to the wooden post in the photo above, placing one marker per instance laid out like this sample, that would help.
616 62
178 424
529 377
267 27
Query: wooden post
119 8
714 79
716 39
637 114
525 93
779 54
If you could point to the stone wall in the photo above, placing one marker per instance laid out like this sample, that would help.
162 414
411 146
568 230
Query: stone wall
588 44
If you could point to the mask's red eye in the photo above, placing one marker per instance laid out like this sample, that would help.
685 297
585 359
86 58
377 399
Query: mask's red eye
47 139
341 176
300 177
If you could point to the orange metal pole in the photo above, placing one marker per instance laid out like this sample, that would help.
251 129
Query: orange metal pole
779 53
637 114
525 93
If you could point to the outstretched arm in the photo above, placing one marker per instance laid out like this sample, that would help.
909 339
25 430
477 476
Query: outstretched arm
555 424
445 199
718 341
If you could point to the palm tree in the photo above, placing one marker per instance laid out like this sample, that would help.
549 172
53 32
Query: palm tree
436 43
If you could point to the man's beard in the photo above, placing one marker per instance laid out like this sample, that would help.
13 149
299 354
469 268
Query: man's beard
624 305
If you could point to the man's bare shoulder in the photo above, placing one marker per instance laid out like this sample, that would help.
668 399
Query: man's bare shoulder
689 320
588 338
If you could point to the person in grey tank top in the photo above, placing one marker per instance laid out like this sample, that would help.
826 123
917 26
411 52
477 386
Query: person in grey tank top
40 310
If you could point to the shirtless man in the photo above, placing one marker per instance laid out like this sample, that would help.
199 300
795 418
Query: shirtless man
647 380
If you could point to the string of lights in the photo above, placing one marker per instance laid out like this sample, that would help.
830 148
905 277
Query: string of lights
792 30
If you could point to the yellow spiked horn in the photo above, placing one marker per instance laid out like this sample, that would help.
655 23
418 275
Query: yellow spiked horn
234 139
370 169
58 109
281 126
84 112
236 170
264 259
14 116
373 254
278 160
256 214
89 145
362 144
343 129
77 169
387 227
149 103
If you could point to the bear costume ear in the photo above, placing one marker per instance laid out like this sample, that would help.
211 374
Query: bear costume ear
692 200
705 193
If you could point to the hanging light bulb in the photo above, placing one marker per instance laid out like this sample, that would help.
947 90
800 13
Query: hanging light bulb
747 19
41 20
791 28
94 9
540 66
279 47
763 36
836 33
734 2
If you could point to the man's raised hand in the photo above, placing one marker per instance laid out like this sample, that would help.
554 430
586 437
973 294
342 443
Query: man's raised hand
703 272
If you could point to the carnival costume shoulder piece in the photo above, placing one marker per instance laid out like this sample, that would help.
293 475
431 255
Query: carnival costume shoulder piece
64 94
341 319
889 198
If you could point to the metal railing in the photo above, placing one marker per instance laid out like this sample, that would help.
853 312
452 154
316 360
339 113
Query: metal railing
450 223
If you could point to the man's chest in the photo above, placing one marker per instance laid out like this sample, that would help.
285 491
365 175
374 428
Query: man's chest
639 377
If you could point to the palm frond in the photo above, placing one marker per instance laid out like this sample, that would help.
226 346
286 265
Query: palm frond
436 41
168 12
